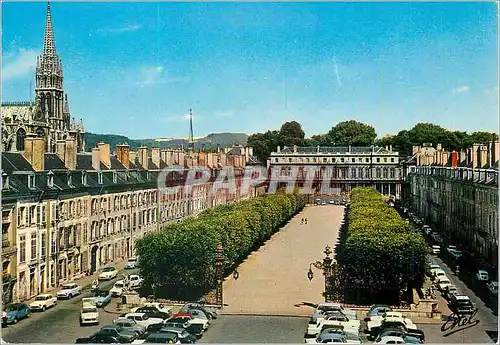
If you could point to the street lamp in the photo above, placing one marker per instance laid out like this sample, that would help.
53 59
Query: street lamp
220 275
326 267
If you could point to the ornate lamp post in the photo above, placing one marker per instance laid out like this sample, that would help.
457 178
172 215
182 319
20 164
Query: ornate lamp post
220 275
326 266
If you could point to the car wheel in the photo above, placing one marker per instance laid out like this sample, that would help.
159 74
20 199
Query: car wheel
210 316
15 320
69 296
28 315
44 308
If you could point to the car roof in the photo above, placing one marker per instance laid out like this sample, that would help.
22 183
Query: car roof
328 335
391 337
443 279
44 295
135 314
483 271
181 315
462 297
162 335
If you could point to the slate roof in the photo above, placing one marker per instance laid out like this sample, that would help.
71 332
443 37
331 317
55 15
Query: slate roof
14 161
84 162
336 149
53 162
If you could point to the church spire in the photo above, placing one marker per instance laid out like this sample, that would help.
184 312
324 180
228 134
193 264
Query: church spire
49 45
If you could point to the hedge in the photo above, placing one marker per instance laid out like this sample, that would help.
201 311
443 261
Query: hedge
180 261
381 251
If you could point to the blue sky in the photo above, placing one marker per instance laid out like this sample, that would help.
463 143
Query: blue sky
136 68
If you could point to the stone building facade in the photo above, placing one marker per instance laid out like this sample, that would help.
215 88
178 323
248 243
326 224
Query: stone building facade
343 167
66 212
48 115
457 194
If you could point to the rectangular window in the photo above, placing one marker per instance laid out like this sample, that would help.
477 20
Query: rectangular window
392 160
50 180
43 246
33 246
84 179
53 242
99 178
22 248
31 181
378 160
85 234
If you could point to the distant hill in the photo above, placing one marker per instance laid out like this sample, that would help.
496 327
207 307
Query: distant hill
208 142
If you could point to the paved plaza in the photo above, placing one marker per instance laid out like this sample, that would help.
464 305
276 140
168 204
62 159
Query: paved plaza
273 279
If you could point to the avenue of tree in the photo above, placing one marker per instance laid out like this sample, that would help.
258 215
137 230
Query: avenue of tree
359 134
180 262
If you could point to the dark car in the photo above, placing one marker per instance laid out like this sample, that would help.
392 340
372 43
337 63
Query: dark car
162 338
184 336
102 338
153 312
417 333
211 313
118 331
377 310
196 330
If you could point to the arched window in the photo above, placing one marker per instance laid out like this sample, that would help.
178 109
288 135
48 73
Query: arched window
49 104
20 136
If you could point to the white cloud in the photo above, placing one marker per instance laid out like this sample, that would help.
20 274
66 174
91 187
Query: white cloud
492 91
128 28
19 64
460 89
337 72
182 118
149 75
224 114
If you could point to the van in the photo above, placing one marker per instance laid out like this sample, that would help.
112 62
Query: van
461 304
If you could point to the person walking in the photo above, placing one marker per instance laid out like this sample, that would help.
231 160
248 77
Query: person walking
306 221
302 221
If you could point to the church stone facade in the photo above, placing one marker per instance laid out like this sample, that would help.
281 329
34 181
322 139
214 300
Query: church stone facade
48 115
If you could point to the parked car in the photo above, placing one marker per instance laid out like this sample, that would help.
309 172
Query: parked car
131 263
482 275
142 319
450 291
15 312
117 289
435 249
69 290
184 336
204 322
461 304
437 274
158 306
89 313
324 308
334 318
153 312
432 269
4 317
118 331
398 332
135 281
102 338
442 283
108 273
130 325
391 340
377 310
493 288
195 329
43 302
159 338
327 337
210 312
408 329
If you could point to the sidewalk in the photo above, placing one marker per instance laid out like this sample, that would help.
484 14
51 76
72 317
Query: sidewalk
84 281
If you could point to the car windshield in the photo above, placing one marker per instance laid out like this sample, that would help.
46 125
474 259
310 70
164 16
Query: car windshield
185 334
41 298
102 293
108 269
132 260
67 287
118 285
12 307
89 310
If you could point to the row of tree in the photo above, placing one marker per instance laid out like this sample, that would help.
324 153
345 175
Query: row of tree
181 260
381 252
359 134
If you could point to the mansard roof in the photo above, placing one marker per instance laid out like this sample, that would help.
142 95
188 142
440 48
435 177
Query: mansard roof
53 162
14 161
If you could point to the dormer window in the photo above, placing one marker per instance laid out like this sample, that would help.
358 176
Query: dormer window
84 178
99 177
69 180
5 181
50 179
31 181
115 176
147 175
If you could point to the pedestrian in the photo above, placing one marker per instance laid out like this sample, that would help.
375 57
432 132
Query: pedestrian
306 221
302 221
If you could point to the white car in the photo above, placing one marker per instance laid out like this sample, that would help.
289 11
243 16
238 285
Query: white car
439 273
442 283
492 287
89 314
131 263
142 319
349 326
43 302
391 340
436 249
108 273
117 289
69 290
135 281
482 275
377 321
324 308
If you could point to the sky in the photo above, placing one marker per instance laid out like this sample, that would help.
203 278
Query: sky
136 68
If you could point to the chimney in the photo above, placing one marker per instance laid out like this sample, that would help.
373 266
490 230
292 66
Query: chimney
104 153
454 159
155 156
415 149
483 157
349 149
34 152
122 154
163 156
70 154
474 155
96 158
60 149
294 148
317 149
445 157
439 147
132 157
278 149
142 154
390 147
218 148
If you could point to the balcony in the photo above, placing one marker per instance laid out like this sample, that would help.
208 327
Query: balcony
8 247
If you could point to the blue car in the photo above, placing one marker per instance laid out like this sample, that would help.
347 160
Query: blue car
16 312
102 298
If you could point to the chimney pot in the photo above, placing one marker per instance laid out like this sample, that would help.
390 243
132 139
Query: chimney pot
96 158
